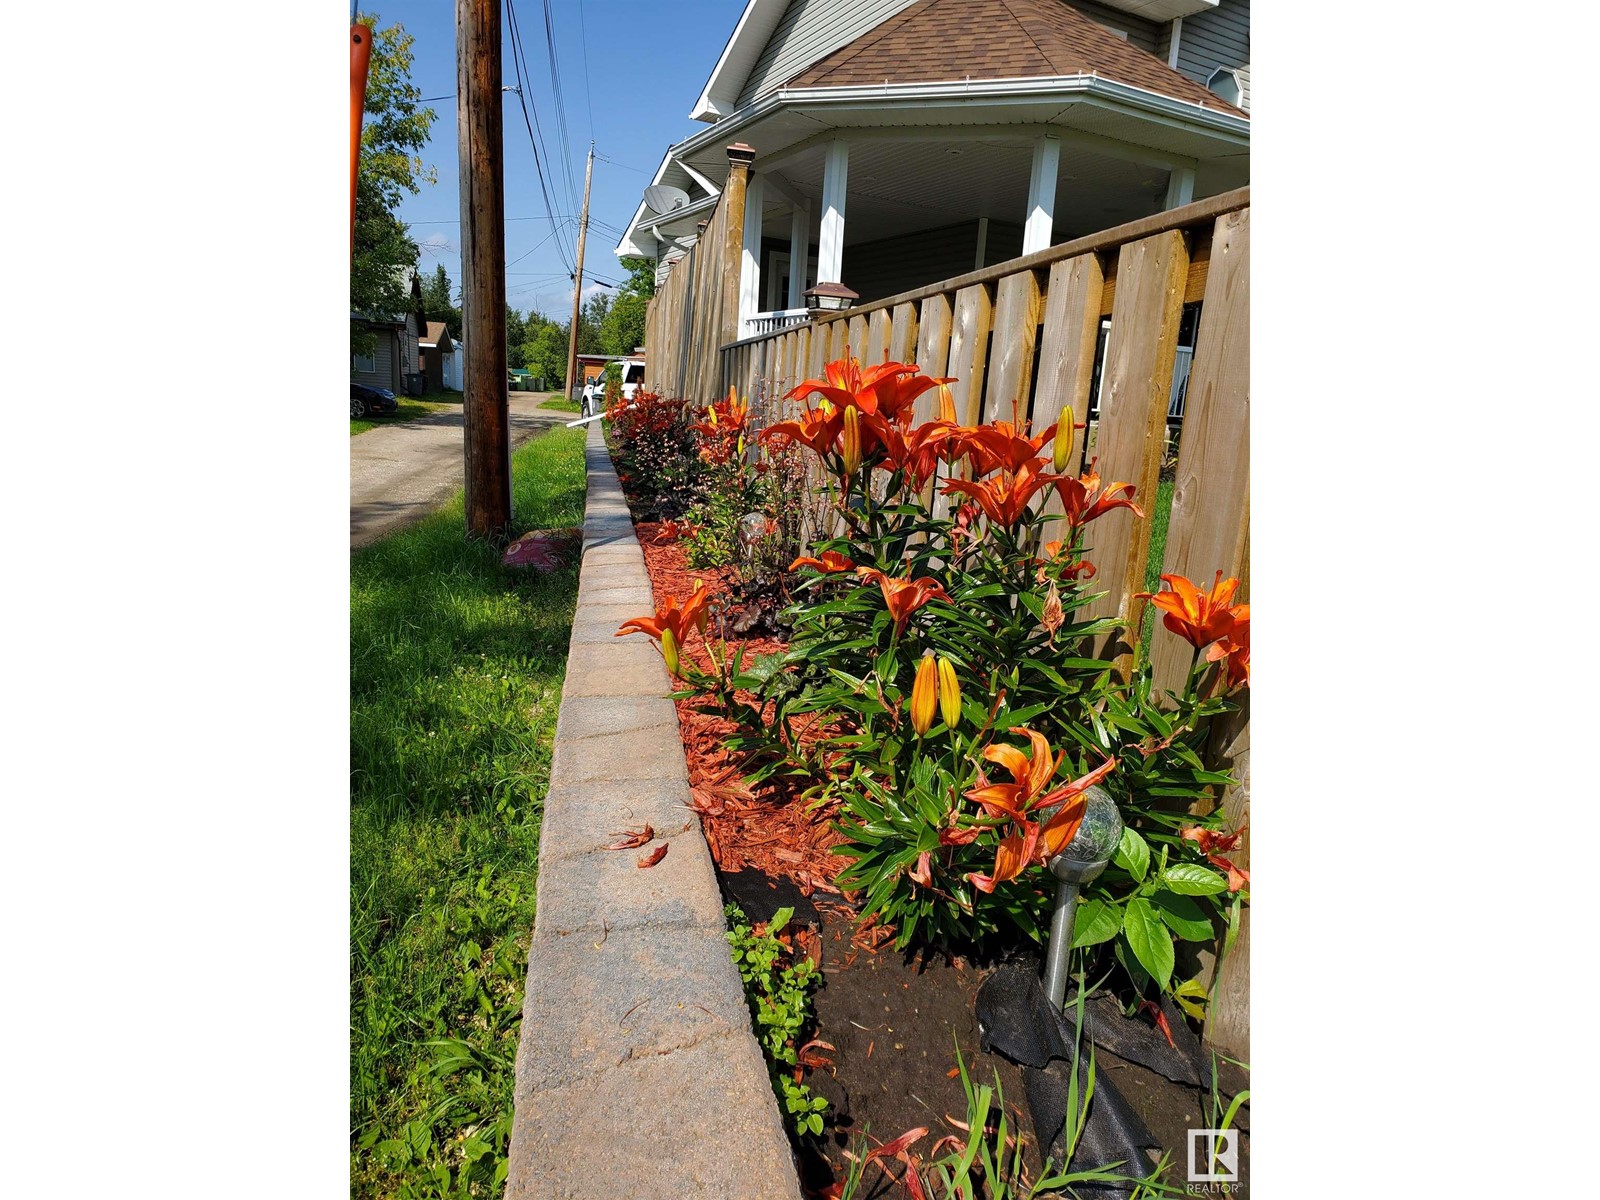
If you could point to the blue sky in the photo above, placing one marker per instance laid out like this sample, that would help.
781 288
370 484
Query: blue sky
616 89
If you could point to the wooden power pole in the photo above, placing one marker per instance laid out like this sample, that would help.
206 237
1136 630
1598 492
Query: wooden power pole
486 436
577 283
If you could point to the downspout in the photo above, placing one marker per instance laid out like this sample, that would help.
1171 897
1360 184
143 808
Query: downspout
1172 49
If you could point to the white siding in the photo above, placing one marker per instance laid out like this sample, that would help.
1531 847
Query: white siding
1219 37
811 30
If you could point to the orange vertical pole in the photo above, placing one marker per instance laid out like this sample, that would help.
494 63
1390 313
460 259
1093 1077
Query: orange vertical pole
360 56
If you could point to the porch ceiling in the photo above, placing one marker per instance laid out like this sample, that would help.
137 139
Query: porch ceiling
906 186
798 120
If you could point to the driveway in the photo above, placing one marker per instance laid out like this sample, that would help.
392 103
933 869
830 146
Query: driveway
400 473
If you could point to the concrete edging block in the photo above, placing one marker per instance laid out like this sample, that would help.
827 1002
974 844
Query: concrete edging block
637 1071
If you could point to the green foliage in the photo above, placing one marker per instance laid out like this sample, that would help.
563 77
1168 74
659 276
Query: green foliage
394 128
546 354
641 279
456 670
622 328
439 303
777 987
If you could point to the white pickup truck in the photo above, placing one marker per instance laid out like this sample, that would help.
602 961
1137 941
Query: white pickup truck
594 392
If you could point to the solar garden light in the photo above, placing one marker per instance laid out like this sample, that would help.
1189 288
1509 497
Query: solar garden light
1080 861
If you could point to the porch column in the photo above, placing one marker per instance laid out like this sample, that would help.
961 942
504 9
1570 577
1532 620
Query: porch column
830 242
799 252
1180 188
1042 194
750 261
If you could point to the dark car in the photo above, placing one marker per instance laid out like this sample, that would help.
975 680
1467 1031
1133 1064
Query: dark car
370 401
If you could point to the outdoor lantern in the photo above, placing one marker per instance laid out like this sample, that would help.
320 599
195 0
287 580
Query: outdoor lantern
830 297
1080 861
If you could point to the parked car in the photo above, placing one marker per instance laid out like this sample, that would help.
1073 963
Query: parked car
371 401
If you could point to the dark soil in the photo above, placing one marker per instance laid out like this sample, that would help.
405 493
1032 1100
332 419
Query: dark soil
894 1020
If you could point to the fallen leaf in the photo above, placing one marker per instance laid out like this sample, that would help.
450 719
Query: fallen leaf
655 856
629 839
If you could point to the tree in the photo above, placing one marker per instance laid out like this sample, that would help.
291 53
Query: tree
590 317
516 335
623 327
436 301
393 129
547 354
641 277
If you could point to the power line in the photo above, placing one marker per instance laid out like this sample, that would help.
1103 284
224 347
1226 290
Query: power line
560 100
517 61
624 166
588 98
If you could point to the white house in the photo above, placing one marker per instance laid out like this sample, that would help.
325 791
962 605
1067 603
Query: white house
900 142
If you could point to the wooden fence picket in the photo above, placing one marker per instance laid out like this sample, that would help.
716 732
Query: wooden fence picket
1211 493
1133 421
1016 321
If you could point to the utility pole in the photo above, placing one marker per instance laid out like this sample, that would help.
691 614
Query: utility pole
577 283
486 441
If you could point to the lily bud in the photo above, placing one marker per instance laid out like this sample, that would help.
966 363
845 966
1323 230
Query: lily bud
947 404
924 695
711 411
852 439
669 651
949 694
1063 444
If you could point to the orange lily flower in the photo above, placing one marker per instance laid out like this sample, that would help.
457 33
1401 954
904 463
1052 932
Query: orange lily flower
815 429
1005 497
672 622
904 596
1197 617
887 389
1211 843
1082 569
915 451
1000 446
1234 648
1082 499
1024 797
830 562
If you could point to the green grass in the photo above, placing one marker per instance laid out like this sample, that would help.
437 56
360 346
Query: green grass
456 669
409 410
562 404
1158 552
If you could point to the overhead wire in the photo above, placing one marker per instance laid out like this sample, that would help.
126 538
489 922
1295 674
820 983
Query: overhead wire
530 122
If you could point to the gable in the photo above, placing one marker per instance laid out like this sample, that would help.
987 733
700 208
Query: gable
808 31
997 39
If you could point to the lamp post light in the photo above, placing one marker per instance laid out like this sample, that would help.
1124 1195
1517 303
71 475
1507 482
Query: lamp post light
1080 861
830 297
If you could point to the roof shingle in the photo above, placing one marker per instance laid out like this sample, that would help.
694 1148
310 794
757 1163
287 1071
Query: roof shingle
946 40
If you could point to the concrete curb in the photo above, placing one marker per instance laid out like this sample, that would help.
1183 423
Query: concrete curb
637 1071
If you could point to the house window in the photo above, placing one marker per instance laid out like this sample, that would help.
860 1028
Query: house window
363 363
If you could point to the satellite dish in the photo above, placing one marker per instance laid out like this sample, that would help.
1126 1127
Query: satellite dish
663 198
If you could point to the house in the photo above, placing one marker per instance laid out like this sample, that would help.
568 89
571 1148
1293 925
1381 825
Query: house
901 142
437 354
393 359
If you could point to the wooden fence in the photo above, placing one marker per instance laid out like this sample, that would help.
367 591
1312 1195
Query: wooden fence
697 308
1020 338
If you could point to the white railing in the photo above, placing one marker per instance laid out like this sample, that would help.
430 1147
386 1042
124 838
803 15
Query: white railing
1180 382
771 322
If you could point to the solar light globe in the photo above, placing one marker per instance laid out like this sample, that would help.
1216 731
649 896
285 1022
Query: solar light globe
1091 848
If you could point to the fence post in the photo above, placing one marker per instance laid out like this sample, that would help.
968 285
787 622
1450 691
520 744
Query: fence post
740 156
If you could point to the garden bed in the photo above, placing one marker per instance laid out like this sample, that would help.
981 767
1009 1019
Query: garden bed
893 1019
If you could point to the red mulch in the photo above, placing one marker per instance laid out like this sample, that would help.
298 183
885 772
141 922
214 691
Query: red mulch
771 830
